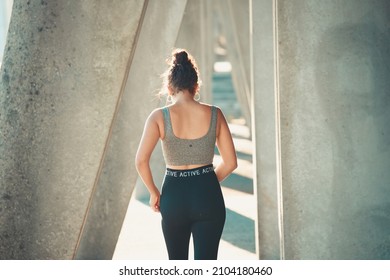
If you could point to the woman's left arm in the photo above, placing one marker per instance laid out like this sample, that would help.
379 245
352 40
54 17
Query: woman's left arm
226 149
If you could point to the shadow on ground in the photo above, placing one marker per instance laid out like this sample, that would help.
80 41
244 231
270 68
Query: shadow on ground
239 183
239 231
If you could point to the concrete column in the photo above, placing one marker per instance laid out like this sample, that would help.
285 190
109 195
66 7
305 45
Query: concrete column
196 35
206 58
158 32
265 131
235 20
189 36
63 69
335 112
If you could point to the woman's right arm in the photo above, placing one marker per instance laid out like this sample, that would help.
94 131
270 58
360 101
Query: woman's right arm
150 137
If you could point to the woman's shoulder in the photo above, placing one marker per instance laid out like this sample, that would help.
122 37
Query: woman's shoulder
216 109
156 114
209 106
159 110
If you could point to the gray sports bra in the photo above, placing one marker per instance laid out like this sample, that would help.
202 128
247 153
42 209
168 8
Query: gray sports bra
178 151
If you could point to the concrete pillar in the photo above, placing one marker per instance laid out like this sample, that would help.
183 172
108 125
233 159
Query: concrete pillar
206 58
63 70
235 20
118 176
189 36
265 131
335 112
196 35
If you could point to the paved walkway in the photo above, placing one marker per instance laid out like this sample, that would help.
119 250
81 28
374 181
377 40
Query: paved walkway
141 236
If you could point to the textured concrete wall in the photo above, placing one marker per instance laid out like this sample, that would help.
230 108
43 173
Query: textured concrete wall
334 59
264 131
118 175
63 70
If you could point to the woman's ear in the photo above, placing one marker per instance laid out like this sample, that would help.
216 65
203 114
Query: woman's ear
196 88
170 90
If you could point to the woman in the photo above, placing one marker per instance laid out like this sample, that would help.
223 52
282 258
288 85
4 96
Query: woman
191 201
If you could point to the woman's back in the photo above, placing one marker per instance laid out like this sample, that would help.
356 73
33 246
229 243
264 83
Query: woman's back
189 134
190 121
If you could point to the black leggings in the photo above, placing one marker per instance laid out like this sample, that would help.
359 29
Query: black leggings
191 202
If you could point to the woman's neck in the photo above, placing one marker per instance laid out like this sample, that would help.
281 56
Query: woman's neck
183 97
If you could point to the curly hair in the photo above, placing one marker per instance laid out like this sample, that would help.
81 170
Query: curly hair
182 73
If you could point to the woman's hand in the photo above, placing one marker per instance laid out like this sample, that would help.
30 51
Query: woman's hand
154 201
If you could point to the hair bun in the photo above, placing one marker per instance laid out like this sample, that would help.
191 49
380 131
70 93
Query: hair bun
181 57
182 73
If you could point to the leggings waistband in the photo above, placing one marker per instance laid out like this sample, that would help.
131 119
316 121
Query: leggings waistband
183 173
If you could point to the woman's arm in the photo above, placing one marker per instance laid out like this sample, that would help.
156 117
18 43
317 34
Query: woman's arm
226 149
147 144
